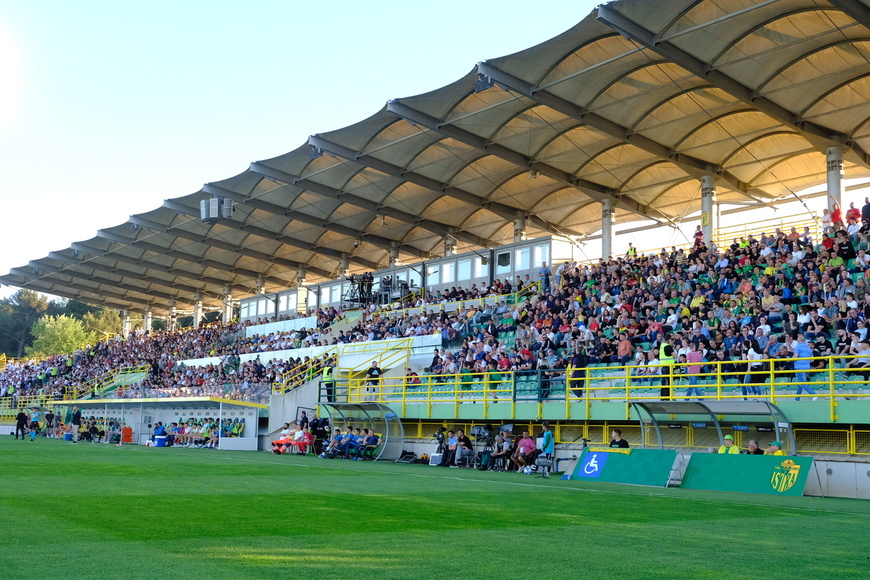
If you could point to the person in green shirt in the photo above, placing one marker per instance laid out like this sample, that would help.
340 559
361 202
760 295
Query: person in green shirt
729 448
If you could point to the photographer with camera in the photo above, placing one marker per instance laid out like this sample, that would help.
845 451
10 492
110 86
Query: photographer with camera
501 455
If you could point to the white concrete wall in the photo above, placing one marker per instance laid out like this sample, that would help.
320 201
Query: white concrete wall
281 326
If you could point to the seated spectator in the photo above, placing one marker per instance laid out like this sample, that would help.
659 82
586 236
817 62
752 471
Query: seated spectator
523 452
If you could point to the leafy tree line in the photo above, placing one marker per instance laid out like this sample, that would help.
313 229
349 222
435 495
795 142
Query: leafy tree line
33 325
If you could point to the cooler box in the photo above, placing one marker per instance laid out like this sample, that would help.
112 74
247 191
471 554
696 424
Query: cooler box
67 436
160 441
435 458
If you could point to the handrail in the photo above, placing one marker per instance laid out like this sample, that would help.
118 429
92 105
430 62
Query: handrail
624 384
106 378
388 353
302 373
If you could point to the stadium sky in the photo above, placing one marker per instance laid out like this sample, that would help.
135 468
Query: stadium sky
108 108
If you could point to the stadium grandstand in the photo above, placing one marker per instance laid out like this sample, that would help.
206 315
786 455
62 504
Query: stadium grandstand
468 242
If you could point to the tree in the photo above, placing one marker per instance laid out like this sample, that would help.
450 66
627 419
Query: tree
18 313
59 335
104 323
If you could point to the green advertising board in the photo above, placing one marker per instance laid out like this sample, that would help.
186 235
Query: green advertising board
771 474
631 466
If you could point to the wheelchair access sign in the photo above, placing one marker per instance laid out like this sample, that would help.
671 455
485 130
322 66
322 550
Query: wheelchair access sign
632 466
592 464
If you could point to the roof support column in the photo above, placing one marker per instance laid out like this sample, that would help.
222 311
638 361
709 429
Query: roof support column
227 305
125 323
172 318
709 209
147 321
301 292
197 309
836 171
394 253
606 228
519 229
343 266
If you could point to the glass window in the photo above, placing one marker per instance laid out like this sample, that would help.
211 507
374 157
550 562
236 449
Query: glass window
291 301
433 275
282 302
448 272
503 263
263 309
324 294
464 270
336 293
414 279
481 270
542 254
522 259
246 310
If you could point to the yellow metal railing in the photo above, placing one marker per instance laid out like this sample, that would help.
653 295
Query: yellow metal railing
625 384
302 373
106 380
837 440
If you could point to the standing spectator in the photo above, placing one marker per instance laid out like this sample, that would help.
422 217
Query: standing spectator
20 424
827 224
865 209
694 357
76 424
548 447
802 351
544 275
698 236
49 424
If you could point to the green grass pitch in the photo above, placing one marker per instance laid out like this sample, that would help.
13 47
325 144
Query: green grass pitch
103 512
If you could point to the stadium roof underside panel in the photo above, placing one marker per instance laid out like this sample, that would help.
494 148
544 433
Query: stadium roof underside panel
636 104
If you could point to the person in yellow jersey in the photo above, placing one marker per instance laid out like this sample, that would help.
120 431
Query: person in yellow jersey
729 447
775 449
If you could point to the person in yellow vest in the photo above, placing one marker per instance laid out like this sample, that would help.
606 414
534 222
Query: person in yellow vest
729 448
631 252
328 380
775 449
666 360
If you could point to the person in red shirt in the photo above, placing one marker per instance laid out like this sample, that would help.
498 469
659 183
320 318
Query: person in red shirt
837 215
853 213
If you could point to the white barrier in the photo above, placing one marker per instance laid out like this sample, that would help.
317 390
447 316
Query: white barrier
418 345
281 326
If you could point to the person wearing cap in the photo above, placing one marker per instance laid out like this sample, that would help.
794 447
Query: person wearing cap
728 447
775 448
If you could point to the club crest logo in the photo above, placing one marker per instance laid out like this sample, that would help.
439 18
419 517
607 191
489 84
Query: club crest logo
785 475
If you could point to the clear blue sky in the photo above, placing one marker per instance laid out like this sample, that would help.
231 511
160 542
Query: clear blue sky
107 108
